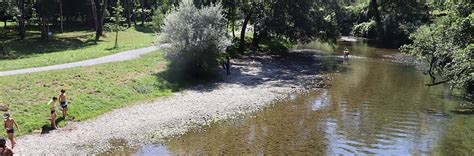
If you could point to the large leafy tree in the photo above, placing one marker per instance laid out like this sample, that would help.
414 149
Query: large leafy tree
296 21
448 48
390 21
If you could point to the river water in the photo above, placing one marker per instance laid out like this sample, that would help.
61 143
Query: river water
374 106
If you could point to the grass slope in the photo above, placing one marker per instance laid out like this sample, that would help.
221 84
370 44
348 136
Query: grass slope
68 47
92 90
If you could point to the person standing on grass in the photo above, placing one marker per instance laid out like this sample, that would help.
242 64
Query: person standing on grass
8 125
52 107
4 149
63 102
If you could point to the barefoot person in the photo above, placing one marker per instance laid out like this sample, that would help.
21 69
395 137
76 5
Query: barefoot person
227 65
63 103
52 107
346 53
4 149
8 125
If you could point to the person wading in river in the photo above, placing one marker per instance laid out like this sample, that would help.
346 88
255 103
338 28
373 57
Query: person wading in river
346 53
8 125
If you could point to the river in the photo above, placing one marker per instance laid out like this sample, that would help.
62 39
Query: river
374 106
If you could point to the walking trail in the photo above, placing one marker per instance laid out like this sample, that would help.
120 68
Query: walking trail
122 56
253 84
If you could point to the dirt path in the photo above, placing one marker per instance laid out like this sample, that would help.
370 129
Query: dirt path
122 56
253 84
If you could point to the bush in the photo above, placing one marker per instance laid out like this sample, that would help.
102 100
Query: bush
197 37
365 29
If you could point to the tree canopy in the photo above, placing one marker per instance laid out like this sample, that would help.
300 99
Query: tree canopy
448 48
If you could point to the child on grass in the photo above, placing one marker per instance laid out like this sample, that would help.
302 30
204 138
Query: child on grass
8 125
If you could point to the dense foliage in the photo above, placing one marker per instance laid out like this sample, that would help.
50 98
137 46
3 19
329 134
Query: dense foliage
390 22
444 41
447 45
197 37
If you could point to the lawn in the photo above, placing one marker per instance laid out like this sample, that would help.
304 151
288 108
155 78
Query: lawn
67 47
92 90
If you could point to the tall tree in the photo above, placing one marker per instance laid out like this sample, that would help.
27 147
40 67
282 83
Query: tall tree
98 11
244 27
142 13
128 12
20 4
378 20
45 10
61 14
116 20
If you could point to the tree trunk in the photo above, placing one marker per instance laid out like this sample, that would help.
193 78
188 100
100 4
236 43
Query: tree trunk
242 32
100 22
129 8
21 19
134 18
44 30
142 3
116 39
255 39
61 14
233 28
378 20
94 14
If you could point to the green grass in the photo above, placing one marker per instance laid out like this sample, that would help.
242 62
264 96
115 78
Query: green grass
92 90
9 24
68 47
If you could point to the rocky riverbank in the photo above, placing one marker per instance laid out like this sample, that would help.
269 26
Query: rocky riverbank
253 84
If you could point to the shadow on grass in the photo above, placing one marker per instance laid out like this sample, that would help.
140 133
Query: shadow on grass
144 29
30 46
45 129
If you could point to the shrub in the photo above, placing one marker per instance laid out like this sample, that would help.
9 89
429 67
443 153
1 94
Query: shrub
365 29
197 37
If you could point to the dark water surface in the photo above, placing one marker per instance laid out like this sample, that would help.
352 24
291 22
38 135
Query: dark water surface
373 107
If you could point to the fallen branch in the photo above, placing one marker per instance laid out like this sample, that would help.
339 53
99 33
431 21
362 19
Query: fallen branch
437 83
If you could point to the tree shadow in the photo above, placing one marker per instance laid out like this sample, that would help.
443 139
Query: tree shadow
31 46
144 29
295 68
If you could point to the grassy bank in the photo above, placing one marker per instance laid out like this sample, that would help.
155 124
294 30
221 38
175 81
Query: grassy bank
68 47
92 90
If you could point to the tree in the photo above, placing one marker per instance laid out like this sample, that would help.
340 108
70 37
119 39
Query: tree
447 46
116 19
61 14
98 12
129 11
20 16
7 11
197 37
142 13
390 22
46 10
248 14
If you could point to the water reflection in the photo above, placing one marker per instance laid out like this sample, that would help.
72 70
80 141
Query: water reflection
373 107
